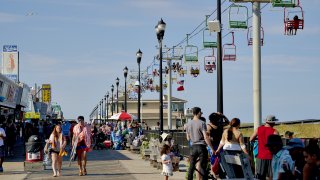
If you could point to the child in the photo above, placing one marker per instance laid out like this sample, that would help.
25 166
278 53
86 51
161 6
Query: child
166 162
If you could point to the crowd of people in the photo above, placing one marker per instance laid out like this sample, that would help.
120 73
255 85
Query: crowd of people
275 157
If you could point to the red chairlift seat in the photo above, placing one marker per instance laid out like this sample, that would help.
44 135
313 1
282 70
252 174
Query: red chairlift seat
210 63
229 51
293 19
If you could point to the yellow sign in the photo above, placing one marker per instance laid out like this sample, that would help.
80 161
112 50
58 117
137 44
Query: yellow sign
46 93
31 115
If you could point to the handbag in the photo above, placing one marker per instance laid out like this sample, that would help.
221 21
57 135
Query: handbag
215 166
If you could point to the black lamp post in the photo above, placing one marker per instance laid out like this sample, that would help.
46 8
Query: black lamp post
112 88
160 29
97 114
139 56
107 106
125 73
104 109
117 83
100 110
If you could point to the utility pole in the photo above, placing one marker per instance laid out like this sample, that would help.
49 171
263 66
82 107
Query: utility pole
256 47
219 62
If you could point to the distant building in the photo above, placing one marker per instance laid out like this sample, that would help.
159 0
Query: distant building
150 110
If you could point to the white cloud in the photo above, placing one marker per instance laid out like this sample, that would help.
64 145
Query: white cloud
8 17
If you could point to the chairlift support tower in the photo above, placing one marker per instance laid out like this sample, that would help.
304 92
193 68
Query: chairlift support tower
256 46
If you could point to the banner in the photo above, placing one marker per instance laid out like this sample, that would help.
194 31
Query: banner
46 93
31 115
10 65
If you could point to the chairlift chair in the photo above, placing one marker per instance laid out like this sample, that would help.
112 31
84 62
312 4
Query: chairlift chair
290 23
182 71
209 63
238 17
249 36
284 3
194 70
190 52
209 39
229 51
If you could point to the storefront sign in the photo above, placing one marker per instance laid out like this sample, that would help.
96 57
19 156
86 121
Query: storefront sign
31 115
46 93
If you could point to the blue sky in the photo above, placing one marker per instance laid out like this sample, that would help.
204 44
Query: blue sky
80 47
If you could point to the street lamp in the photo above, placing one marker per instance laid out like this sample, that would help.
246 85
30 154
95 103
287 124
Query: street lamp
139 56
107 106
100 110
160 29
125 73
104 109
112 88
117 83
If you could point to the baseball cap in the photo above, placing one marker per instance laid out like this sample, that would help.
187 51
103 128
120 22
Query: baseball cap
295 143
271 119
289 133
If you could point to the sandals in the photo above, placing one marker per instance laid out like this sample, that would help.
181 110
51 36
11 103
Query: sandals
80 173
84 171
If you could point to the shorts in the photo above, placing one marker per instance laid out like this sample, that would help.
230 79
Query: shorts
54 151
263 168
2 151
81 147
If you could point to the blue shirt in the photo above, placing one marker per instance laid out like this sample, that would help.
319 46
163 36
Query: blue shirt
66 128
279 160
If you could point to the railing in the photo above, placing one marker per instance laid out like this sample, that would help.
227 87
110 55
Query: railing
180 140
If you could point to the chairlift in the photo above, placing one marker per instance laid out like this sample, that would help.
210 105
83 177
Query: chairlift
284 3
249 36
190 52
176 53
293 20
238 17
209 39
194 70
209 63
182 71
229 51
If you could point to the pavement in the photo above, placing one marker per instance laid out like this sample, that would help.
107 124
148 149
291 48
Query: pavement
102 164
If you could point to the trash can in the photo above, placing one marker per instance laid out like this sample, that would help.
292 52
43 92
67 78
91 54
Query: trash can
34 149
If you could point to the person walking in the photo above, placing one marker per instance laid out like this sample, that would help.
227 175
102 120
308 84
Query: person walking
263 161
167 169
233 144
282 163
11 137
216 127
197 133
83 133
2 149
58 144
295 146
